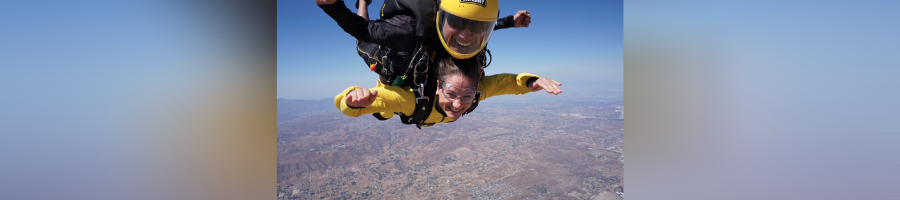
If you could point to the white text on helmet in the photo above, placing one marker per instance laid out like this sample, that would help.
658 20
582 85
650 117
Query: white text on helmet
479 2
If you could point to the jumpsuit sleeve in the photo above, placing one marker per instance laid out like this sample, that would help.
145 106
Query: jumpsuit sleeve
503 84
391 33
390 99
505 22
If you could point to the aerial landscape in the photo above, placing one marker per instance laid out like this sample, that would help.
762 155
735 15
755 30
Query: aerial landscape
511 147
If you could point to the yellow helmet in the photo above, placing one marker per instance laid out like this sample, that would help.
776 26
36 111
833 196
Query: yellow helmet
465 26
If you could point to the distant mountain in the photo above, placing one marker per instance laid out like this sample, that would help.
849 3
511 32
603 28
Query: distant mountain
289 109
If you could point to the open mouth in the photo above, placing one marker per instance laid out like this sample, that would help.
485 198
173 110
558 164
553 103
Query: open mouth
463 44
453 111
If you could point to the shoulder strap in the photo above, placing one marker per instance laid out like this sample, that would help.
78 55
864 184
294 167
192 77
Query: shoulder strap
474 103
485 57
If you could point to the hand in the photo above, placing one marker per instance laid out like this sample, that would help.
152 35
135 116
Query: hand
361 97
550 85
325 2
522 19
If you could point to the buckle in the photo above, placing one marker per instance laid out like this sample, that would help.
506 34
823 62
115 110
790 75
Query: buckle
421 91
423 97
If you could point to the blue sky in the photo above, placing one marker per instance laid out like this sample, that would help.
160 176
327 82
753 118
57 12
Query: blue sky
114 98
579 44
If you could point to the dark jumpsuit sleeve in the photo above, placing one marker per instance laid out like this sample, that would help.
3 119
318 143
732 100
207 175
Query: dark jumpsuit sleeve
391 33
505 22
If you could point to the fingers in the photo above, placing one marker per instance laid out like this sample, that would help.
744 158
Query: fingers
361 97
522 19
551 86
364 96
373 95
353 97
527 18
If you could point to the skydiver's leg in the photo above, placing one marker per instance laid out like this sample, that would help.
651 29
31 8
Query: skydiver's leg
369 52
371 55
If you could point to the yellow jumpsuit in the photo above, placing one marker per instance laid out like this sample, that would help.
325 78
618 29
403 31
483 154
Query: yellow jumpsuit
402 99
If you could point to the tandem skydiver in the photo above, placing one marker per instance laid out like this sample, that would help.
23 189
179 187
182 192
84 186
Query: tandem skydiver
459 88
388 45
406 36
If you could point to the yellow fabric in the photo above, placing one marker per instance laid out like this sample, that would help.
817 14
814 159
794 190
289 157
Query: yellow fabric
386 115
473 10
402 99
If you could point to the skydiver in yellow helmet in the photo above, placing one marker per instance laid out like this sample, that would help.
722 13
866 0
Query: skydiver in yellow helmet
465 26
387 45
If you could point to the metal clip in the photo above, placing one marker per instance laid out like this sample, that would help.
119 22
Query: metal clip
422 61
422 95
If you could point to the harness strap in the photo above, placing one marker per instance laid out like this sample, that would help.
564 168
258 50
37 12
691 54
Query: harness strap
386 68
474 103
423 86
378 116
485 57
424 105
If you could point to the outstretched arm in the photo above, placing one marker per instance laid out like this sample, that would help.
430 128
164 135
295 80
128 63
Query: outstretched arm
392 33
503 84
356 101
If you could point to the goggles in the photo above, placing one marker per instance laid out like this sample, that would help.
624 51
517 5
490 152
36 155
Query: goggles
460 23
451 93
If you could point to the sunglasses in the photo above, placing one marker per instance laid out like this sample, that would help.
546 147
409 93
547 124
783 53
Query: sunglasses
460 23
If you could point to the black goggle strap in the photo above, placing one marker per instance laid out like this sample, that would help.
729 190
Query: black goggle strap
474 103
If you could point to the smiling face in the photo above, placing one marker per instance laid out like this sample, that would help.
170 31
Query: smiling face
457 93
463 37
462 41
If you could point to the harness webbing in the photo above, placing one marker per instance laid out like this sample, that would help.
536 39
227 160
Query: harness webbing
423 85
378 116
474 103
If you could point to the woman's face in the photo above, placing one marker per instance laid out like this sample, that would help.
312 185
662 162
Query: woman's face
457 97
